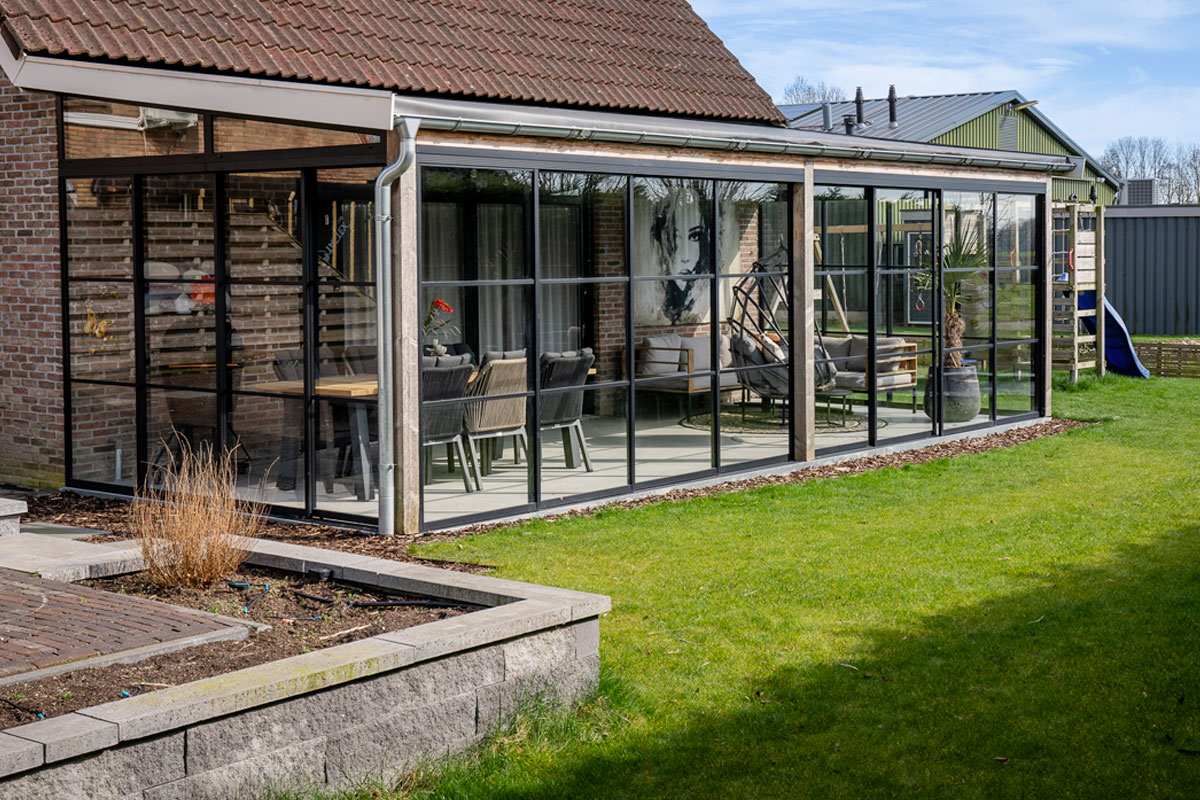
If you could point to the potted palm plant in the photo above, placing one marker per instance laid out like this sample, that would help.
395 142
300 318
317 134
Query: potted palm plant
962 256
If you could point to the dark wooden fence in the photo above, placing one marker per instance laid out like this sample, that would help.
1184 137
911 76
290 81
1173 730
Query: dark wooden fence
1170 359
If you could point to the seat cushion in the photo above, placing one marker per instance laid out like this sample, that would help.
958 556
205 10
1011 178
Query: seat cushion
659 355
445 361
858 381
886 346
501 355
838 347
726 352
699 349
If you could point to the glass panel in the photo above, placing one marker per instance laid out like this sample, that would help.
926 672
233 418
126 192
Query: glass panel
176 416
753 226
755 416
347 325
101 328
473 224
967 389
179 227
181 334
972 293
1015 380
100 228
840 360
903 396
841 226
345 224
968 230
672 436
491 434
345 450
479 320
672 235
582 225
754 313
103 129
269 435
1016 304
104 434
1016 230
266 329
263 220
586 315
585 438
232 134
665 311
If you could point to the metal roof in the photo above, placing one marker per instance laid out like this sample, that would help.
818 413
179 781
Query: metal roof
924 118
602 126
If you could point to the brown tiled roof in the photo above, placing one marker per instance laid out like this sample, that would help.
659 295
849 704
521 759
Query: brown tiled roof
644 55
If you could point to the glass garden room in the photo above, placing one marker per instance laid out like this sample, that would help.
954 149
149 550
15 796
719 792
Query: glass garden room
587 329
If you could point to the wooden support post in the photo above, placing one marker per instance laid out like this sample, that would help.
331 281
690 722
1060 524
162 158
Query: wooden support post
1072 240
1101 293
804 445
406 371
1047 332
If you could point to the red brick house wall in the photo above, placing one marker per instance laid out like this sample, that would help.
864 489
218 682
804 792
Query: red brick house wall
31 413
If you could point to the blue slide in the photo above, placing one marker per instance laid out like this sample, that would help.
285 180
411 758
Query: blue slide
1118 347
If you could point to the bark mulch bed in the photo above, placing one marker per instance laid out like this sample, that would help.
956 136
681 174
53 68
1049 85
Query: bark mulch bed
292 632
112 515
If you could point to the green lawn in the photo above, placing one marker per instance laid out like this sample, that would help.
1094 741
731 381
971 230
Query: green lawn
889 634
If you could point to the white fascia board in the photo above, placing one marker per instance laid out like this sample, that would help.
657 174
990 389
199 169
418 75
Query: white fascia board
370 109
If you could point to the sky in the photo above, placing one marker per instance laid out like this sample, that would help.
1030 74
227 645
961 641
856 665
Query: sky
1100 69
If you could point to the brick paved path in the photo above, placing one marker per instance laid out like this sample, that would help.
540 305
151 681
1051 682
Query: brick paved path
43 623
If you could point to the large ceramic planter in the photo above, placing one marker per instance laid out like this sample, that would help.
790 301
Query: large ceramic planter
960 395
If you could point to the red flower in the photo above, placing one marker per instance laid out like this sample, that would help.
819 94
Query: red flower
442 305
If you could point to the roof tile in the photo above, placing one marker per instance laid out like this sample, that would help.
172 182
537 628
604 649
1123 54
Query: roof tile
616 54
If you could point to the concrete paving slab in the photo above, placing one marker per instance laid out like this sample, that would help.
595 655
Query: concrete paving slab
65 559
61 531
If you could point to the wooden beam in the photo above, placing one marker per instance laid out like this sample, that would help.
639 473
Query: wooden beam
1047 304
1101 293
804 443
406 370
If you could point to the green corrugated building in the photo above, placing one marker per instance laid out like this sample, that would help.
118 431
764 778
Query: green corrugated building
991 120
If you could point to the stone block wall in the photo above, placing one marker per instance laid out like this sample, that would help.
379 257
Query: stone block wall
31 429
369 729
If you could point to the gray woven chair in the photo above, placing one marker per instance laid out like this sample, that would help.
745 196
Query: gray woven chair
442 423
289 366
563 410
493 420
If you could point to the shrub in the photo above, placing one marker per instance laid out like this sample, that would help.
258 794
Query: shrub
187 515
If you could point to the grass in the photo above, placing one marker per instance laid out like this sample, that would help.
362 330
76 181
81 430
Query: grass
1021 623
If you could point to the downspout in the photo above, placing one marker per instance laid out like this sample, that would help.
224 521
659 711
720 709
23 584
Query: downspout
384 320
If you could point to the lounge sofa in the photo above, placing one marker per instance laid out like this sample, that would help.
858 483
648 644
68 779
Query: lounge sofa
846 358
672 358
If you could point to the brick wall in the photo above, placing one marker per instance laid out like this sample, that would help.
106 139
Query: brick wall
31 423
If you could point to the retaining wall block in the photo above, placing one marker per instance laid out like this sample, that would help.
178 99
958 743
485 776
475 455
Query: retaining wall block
113 774
293 768
387 746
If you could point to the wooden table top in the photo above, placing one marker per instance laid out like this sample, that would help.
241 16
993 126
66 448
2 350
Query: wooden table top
350 386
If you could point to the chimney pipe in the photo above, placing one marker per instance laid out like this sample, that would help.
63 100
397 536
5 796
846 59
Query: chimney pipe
827 116
893 121
848 119
858 106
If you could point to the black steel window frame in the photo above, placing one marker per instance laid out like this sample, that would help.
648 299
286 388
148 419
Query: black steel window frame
825 178
218 165
452 158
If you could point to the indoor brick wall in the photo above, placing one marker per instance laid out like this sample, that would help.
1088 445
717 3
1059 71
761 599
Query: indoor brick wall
31 422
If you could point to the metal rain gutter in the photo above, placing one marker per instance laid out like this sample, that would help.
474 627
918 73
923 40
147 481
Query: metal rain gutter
731 144
385 317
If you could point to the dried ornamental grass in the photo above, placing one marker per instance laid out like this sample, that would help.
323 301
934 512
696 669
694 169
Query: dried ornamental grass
187 519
